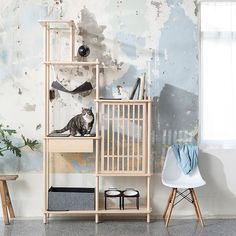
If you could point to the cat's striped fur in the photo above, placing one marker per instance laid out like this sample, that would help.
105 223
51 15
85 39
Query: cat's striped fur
81 123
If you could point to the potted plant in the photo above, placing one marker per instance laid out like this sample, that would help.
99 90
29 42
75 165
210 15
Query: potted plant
7 142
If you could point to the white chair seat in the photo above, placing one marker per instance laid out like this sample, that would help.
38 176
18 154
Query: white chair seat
172 175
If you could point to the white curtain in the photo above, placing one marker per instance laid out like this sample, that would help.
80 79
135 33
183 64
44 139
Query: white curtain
218 73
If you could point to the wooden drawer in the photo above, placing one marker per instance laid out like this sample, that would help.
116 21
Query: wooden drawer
70 145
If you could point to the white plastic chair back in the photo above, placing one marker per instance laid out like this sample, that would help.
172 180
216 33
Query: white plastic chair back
172 175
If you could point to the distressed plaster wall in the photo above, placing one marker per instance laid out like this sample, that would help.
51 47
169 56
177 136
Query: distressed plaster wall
158 37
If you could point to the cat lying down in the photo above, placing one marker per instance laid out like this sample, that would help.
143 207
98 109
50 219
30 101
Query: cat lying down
81 123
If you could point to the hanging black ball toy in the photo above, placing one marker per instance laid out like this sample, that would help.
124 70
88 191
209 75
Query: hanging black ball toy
83 50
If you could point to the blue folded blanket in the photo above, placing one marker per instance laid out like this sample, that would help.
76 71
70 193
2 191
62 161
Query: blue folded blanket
186 156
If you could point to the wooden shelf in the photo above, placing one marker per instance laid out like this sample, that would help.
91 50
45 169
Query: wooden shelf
71 63
122 101
49 22
138 127
69 145
71 137
123 174
72 212
142 210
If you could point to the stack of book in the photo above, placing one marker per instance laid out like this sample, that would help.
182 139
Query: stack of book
139 90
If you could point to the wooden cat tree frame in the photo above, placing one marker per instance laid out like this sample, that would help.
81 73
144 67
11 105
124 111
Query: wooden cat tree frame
122 141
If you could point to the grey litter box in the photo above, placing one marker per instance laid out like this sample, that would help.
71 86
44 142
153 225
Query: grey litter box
65 199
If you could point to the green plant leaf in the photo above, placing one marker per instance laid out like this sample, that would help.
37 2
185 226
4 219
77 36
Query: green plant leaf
8 144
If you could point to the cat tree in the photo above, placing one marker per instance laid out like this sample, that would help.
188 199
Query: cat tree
122 141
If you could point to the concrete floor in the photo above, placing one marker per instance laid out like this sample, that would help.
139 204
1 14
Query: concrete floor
119 228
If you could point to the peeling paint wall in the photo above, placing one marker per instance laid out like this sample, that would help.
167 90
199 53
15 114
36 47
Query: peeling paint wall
156 37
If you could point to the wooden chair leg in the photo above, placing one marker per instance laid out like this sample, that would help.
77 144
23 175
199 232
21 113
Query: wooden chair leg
194 204
197 207
4 204
171 206
8 200
168 203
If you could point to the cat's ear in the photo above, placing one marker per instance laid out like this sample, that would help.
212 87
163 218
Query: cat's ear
90 108
82 108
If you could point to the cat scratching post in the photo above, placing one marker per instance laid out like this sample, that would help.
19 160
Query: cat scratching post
5 197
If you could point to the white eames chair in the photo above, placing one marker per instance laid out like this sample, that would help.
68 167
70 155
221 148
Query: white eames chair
173 177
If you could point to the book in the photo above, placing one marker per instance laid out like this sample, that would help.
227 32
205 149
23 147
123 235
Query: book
135 89
142 87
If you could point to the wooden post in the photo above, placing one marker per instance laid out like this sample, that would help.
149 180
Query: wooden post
148 199
128 124
149 139
72 41
103 136
118 140
113 136
108 137
46 58
97 143
97 200
97 80
123 138
138 139
133 136
145 137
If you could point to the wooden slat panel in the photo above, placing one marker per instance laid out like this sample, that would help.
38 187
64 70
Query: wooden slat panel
123 155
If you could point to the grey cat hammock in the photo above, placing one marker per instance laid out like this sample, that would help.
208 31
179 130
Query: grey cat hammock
86 86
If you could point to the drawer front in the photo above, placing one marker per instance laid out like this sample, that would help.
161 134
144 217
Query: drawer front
70 145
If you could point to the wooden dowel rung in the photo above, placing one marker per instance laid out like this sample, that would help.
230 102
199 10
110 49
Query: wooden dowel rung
133 139
103 136
123 137
118 139
144 139
136 156
113 135
138 138
108 135
128 124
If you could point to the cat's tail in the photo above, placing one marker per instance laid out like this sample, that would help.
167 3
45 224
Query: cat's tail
62 130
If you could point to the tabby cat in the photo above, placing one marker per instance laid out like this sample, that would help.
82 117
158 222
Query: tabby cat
81 123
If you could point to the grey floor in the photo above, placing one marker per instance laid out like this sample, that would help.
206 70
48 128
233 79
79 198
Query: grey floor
119 228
